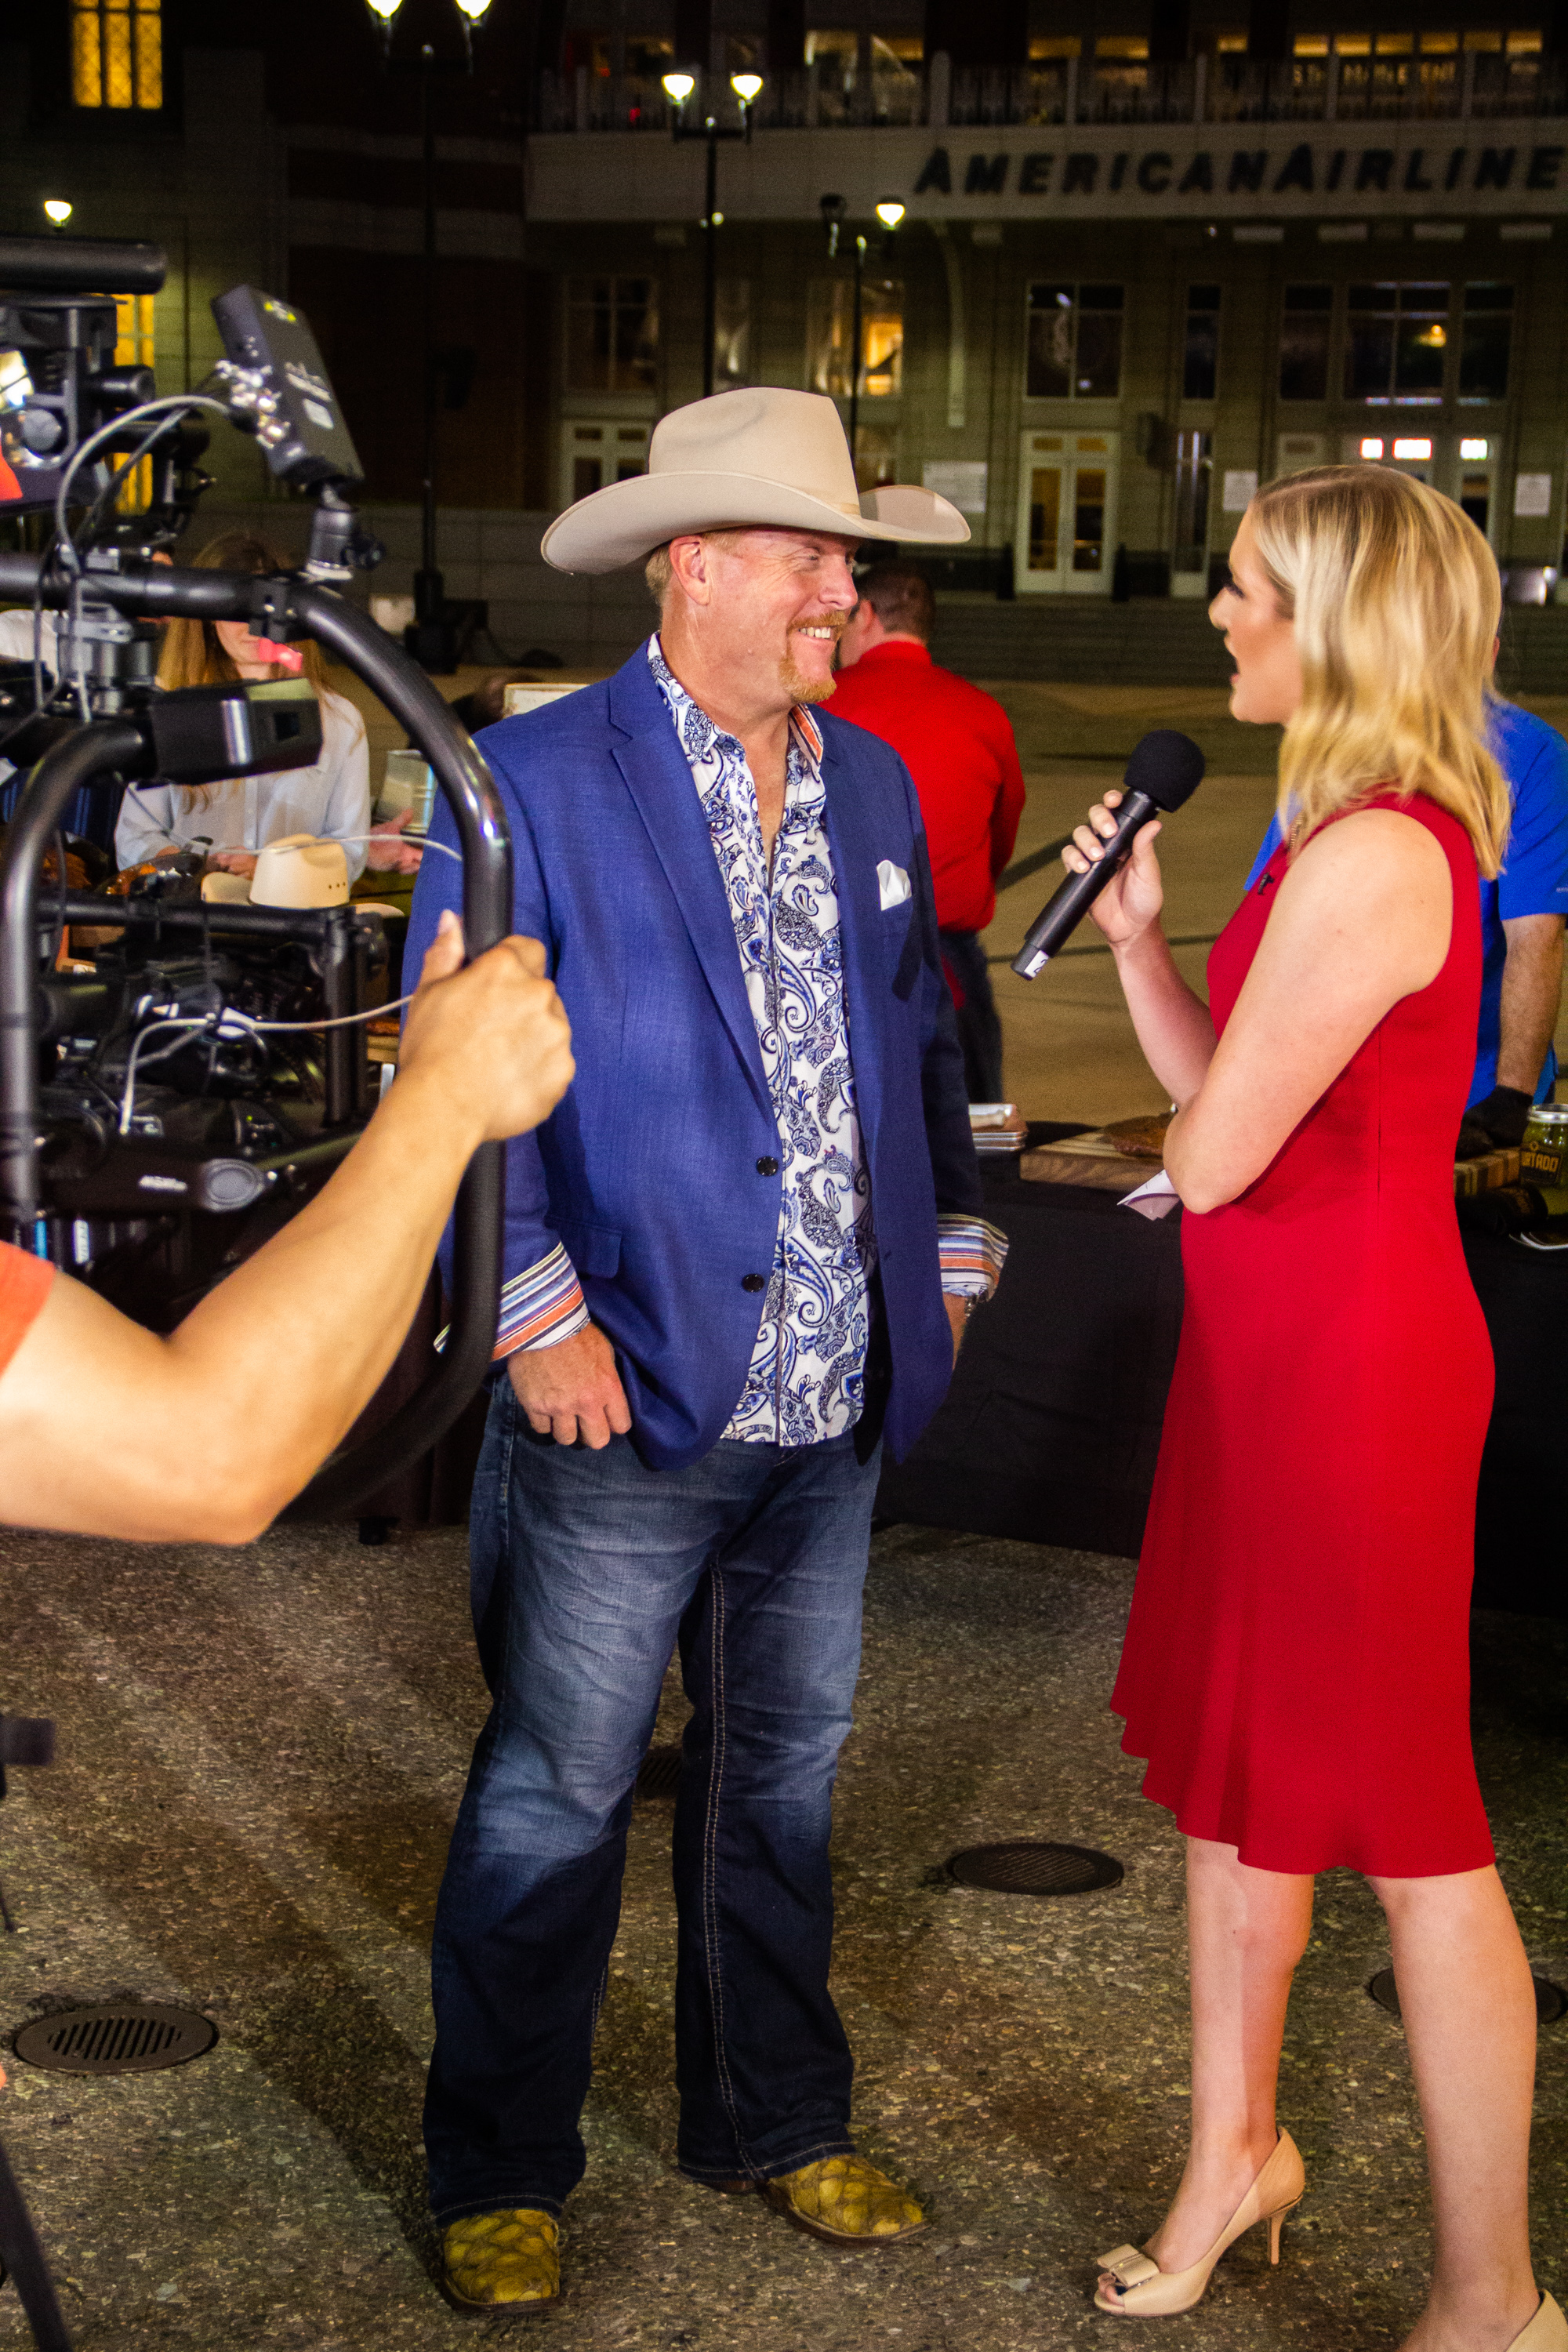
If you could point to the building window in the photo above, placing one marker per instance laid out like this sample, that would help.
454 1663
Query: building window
1484 338
117 54
599 451
876 457
1200 365
1304 343
612 335
135 347
732 334
1075 342
831 327
1397 344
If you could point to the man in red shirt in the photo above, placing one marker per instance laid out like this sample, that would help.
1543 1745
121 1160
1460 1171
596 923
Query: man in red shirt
957 743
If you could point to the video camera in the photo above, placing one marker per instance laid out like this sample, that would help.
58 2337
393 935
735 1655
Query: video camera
166 1109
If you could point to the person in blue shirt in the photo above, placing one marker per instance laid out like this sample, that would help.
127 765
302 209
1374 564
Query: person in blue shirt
1522 914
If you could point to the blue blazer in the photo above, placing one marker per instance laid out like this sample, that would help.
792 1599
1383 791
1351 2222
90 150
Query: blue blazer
648 1170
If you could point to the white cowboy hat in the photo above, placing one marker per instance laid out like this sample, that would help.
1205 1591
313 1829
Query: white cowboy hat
759 457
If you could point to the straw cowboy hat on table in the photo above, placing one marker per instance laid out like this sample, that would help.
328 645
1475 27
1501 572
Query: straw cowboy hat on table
760 457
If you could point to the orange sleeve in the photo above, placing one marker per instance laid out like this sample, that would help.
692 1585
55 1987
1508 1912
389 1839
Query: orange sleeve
24 1286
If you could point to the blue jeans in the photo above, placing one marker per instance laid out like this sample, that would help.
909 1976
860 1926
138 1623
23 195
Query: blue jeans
588 1569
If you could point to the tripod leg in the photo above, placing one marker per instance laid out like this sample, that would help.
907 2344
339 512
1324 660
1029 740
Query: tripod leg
23 2256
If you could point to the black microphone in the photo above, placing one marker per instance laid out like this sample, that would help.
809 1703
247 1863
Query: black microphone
1165 770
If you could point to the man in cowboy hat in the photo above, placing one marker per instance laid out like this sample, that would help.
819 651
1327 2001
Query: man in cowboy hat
738 1255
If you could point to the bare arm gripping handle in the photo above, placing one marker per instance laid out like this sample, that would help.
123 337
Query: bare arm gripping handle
482 834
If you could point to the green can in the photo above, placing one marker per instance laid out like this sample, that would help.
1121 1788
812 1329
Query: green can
1543 1155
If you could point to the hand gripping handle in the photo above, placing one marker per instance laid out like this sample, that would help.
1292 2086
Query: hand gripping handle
156 590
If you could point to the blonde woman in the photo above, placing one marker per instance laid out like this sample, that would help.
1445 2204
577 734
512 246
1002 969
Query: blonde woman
236 820
1296 1664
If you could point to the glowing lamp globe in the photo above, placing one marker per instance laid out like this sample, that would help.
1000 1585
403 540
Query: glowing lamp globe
747 87
890 211
56 209
679 87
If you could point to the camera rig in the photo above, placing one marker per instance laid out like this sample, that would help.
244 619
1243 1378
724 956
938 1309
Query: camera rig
166 1111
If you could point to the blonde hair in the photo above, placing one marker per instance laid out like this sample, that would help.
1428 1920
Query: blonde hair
1395 599
191 654
660 574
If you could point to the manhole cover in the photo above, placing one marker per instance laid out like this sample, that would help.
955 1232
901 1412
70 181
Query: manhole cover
122 2037
659 1775
1550 2001
1029 1866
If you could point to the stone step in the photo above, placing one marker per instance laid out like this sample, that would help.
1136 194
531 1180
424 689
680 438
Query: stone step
1062 641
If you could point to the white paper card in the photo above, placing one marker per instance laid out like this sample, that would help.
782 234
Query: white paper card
1532 494
1156 1198
1240 489
959 480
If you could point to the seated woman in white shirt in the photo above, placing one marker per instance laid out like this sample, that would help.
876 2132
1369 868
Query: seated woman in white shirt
232 820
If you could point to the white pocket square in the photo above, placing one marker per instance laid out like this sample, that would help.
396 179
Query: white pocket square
893 883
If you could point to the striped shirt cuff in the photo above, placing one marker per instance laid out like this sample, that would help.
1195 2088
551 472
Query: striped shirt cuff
972 1255
540 1306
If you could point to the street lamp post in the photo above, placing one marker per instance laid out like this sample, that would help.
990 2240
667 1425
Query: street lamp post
432 639
679 87
890 212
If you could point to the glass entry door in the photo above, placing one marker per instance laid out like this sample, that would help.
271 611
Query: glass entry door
598 450
1066 541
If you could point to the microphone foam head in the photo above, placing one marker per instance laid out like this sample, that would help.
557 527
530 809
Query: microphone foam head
1167 766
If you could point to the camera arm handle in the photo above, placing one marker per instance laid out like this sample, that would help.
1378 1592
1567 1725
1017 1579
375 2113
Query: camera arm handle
157 590
66 766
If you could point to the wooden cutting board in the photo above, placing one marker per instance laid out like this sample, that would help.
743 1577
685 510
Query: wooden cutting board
1087 1160
1092 1160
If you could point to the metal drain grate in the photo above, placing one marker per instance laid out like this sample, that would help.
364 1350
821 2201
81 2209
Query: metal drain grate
122 2037
658 1776
1550 2001
1030 1866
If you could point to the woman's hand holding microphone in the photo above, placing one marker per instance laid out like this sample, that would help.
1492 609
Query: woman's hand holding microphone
1130 902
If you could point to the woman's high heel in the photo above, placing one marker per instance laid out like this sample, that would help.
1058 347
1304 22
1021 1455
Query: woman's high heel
1547 2332
1146 2292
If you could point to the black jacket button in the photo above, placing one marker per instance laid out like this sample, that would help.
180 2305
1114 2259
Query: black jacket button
753 1282
767 1165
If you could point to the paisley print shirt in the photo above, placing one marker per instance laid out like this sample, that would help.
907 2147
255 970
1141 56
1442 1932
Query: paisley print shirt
807 1369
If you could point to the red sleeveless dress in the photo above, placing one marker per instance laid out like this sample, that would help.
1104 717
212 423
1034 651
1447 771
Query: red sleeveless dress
1297 1662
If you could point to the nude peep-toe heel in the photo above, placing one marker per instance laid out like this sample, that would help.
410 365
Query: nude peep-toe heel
1146 2292
1547 2332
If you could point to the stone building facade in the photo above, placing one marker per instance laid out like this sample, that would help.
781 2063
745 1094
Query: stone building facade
1145 261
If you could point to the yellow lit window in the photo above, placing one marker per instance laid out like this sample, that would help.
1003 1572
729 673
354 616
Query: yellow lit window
1231 45
1485 44
1121 45
1311 44
117 54
134 347
1396 44
1353 45
1047 46
1524 44
1439 45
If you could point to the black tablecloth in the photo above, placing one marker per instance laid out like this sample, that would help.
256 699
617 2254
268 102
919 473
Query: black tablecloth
1051 1427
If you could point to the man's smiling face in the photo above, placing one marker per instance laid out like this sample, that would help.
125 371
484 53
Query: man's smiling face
781 599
